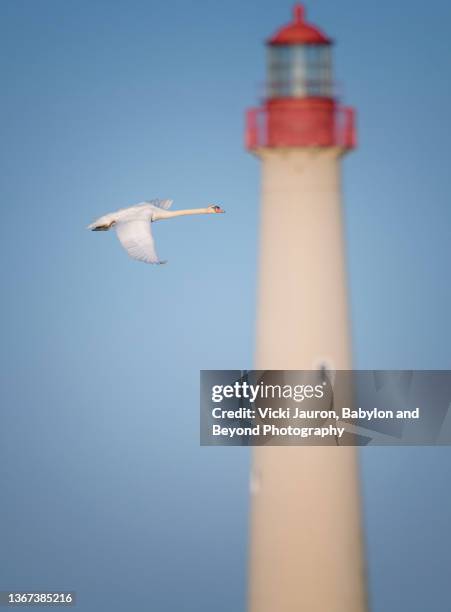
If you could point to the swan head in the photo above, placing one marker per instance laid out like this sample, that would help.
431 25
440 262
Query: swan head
214 208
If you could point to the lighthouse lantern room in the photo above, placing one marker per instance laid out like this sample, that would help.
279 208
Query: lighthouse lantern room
300 107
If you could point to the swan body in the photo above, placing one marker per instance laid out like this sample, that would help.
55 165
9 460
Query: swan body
133 226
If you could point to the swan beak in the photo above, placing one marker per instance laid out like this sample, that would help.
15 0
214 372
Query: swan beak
220 210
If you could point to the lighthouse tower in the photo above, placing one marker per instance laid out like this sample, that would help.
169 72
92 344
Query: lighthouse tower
305 541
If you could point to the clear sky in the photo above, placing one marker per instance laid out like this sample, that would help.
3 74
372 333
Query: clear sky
104 487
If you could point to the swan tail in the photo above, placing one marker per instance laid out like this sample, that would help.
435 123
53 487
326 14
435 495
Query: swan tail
103 224
99 228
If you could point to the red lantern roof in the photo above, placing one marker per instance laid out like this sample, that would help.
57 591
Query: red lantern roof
299 32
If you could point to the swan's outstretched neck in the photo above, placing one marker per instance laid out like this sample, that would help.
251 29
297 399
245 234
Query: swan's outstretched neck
168 214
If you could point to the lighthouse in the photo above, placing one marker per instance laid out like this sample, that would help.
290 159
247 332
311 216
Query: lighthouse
306 552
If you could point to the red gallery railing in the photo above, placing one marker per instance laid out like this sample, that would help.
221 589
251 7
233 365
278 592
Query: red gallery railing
300 127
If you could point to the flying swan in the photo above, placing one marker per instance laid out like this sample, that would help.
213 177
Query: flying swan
132 226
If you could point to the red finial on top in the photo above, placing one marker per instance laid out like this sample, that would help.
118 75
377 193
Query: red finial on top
299 32
298 12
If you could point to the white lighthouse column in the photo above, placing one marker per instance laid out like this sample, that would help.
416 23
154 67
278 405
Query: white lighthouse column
302 319
306 537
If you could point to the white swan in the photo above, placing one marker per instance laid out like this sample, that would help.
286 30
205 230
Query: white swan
133 226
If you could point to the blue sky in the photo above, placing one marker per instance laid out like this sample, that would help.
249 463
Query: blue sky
105 104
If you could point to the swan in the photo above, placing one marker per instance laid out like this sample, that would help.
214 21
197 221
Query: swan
132 225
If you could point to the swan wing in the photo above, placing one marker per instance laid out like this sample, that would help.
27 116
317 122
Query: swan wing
136 238
165 204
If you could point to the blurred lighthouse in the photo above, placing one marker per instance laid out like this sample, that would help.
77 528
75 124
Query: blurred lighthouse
305 544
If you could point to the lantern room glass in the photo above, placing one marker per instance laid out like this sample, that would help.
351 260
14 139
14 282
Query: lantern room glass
299 71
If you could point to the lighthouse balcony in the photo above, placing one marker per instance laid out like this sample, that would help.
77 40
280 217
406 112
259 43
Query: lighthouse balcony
308 123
